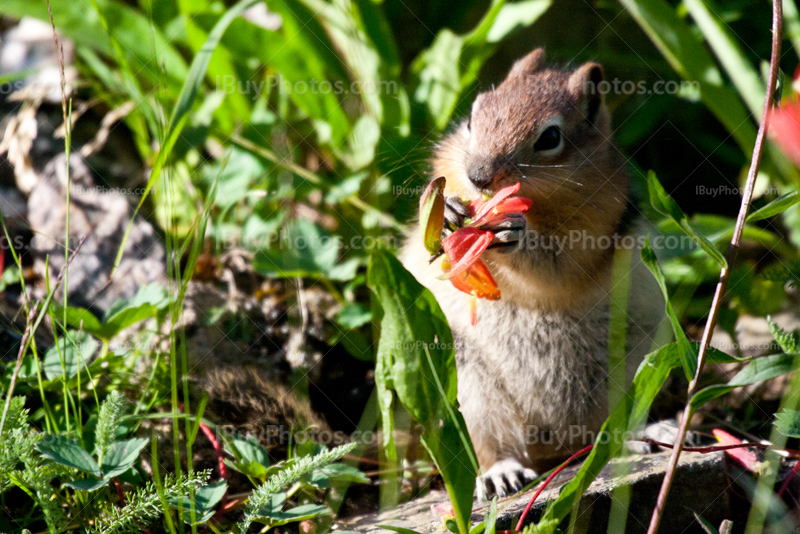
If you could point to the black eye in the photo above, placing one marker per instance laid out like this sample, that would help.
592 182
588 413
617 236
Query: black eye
550 139
469 123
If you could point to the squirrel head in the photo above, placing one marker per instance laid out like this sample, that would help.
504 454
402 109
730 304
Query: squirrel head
547 129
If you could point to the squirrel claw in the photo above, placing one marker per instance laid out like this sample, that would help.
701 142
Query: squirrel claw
504 478
455 212
509 232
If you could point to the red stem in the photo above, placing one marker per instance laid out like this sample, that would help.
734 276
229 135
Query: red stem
547 481
715 448
220 463
120 493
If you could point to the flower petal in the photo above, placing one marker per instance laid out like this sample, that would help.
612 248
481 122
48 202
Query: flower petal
785 127
483 207
431 214
463 248
477 281
745 458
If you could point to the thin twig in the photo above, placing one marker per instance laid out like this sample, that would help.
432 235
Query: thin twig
717 448
722 284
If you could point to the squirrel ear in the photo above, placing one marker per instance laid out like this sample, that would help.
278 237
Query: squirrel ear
585 84
529 64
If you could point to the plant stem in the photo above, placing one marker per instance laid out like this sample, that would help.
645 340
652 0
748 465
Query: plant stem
549 479
722 284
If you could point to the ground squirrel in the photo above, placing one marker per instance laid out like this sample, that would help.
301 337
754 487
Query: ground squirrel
532 373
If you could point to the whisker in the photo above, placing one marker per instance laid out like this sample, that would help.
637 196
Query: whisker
546 166
552 177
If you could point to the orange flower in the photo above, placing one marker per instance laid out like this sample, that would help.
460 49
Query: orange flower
462 264
463 248
477 281
502 202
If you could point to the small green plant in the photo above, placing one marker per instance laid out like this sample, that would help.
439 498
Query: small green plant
111 458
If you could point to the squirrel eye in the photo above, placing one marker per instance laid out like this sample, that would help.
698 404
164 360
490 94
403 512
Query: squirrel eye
549 139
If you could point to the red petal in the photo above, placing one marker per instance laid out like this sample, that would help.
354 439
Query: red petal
747 459
785 126
483 207
477 281
463 248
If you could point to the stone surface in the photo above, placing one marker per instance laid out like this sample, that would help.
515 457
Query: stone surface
700 485
102 215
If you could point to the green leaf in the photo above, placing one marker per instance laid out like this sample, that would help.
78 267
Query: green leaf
122 455
250 449
664 204
88 484
79 318
305 251
401 530
443 72
758 370
249 468
302 52
75 353
122 319
787 422
205 500
416 361
67 452
688 356
353 315
516 16
293 515
726 47
338 473
491 518
777 206
789 341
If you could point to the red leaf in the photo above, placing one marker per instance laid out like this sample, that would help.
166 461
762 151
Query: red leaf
463 248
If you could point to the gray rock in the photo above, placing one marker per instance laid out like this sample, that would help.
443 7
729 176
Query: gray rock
700 485
102 215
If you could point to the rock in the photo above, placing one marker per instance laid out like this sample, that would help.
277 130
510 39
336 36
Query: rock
29 47
700 485
102 215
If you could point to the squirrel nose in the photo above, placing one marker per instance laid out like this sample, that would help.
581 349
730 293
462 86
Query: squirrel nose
481 173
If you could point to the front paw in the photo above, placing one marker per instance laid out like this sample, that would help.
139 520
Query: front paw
455 214
505 477
509 232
